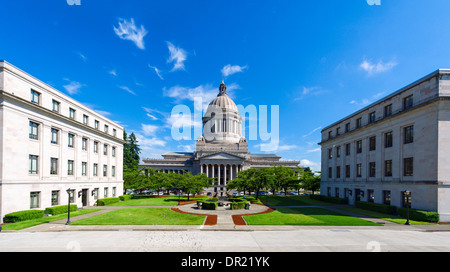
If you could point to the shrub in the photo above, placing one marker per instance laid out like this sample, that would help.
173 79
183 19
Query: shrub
60 209
238 205
107 201
23 216
419 215
376 207
330 199
125 197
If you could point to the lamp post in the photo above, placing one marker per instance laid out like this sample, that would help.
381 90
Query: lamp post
69 191
408 195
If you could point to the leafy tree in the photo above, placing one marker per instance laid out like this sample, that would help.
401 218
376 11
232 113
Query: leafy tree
284 177
311 181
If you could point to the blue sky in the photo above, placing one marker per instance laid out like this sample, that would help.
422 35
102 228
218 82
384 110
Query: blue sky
318 60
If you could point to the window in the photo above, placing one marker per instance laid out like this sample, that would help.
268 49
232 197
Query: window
407 102
347 149
388 110
105 149
55 198
72 197
388 139
114 191
372 117
34 200
95 170
55 106
95 147
72 113
35 97
338 131
84 169
330 172
33 165
114 132
96 124
358 170
105 192
338 152
408 167
409 134
359 146
70 168
34 132
71 140
347 171
106 129
105 170
336 192
84 144
85 119
372 143
113 152
53 166
372 169
358 122
95 193
347 127
54 136
113 171
388 168
338 172
329 135
387 197
406 200
330 153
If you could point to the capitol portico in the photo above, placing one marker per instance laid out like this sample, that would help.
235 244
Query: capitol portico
221 152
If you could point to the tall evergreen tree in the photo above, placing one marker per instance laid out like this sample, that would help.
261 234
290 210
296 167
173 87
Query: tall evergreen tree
131 151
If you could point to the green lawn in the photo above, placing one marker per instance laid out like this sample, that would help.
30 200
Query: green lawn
142 216
291 200
152 201
306 217
388 217
39 221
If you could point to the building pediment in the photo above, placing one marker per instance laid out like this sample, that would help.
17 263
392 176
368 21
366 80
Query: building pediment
221 156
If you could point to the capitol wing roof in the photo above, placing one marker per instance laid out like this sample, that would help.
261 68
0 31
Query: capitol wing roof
221 156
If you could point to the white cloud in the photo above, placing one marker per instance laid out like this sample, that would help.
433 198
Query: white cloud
310 133
127 30
149 130
113 72
229 70
314 150
309 163
308 91
125 88
177 55
376 68
367 101
73 87
157 71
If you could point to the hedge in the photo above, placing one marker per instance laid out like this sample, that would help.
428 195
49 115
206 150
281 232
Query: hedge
60 209
207 205
107 201
23 216
335 200
238 205
383 208
125 197
419 215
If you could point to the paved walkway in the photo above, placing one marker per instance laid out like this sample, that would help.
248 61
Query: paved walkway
224 221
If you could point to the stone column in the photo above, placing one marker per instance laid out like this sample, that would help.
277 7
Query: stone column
218 174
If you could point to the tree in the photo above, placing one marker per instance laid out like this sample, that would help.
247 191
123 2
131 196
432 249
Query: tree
285 177
131 151
311 181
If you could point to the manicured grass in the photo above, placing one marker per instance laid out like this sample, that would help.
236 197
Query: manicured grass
388 217
153 201
291 200
142 216
39 221
306 217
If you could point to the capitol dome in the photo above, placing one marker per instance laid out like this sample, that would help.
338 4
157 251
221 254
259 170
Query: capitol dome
222 122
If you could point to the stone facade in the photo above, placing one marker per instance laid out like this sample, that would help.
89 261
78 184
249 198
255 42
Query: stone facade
49 143
221 152
399 143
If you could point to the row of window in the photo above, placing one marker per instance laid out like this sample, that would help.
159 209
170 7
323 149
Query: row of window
360 195
407 104
55 136
56 107
408 169
33 168
408 137
35 197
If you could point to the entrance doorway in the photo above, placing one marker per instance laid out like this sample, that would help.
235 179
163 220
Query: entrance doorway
84 197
